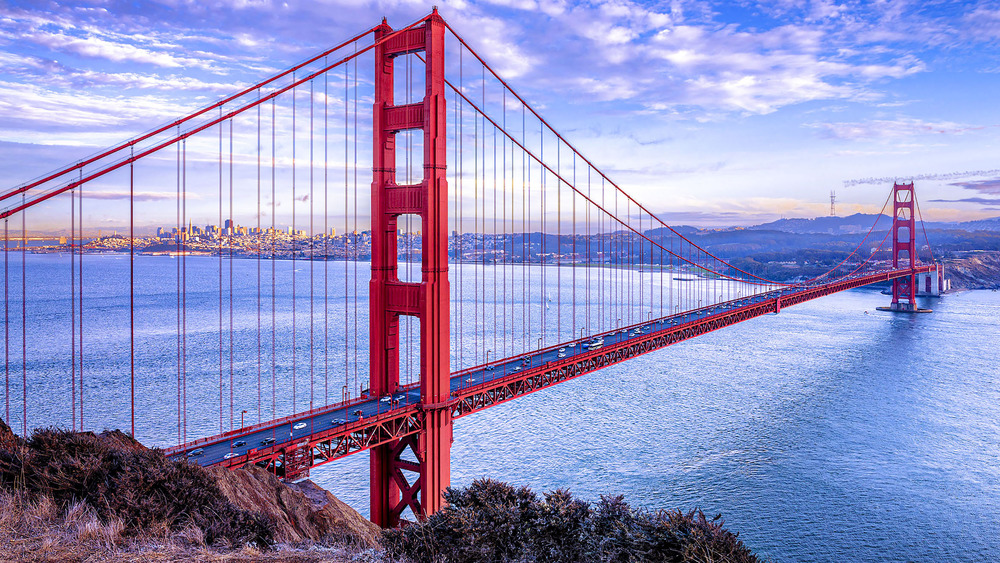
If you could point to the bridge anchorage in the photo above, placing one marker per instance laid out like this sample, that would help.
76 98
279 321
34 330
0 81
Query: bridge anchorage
544 270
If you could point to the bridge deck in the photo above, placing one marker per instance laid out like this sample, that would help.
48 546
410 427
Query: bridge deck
335 431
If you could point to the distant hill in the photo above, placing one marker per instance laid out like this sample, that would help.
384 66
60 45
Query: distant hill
861 222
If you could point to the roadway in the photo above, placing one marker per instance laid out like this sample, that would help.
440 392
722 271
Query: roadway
296 428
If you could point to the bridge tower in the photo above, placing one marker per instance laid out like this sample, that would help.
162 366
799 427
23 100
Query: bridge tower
397 482
904 248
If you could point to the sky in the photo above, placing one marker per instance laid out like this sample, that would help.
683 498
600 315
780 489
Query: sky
710 113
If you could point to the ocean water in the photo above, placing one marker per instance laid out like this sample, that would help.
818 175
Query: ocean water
829 432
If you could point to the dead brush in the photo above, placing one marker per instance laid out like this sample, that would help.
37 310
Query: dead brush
107 536
131 490
87 526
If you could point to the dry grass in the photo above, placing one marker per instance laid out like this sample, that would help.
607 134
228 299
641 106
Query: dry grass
36 531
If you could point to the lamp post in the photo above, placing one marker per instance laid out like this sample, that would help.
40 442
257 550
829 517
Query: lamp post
241 417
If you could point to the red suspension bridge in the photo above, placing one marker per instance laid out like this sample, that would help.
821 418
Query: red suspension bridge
490 259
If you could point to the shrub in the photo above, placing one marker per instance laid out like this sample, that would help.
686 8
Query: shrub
123 481
493 522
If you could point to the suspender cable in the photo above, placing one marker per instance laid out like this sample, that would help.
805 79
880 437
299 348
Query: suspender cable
274 270
355 257
258 239
461 209
503 225
295 251
493 244
183 284
6 330
476 230
131 287
24 321
72 303
177 243
347 230
541 248
80 296
312 256
326 237
225 231
232 233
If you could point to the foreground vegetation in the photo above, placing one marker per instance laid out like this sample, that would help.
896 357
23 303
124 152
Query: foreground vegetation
122 482
80 496
492 521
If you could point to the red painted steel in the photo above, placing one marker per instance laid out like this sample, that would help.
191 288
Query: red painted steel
391 493
390 427
503 389
904 289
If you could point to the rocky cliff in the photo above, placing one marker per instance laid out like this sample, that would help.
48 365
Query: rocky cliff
980 270
300 512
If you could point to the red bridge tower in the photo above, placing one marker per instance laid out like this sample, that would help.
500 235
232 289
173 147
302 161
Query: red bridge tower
398 483
904 250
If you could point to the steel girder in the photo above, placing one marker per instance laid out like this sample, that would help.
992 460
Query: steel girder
492 393
295 459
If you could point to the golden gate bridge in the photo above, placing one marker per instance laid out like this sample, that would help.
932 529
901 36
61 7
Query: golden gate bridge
535 267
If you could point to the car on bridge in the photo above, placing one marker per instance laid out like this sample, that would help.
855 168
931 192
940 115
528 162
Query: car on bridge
267 441
239 443
300 426
196 452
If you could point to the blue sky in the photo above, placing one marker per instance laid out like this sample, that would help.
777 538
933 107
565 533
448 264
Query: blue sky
713 113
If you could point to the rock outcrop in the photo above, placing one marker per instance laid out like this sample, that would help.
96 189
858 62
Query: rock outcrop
300 511
980 270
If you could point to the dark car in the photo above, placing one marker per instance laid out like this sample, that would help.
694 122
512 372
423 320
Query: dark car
267 441
239 443
197 452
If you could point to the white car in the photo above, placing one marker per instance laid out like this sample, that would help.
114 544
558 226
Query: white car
230 455
300 426
386 399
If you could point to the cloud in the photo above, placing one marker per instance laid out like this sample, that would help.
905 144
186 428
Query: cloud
138 196
991 187
930 176
29 106
891 128
980 200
